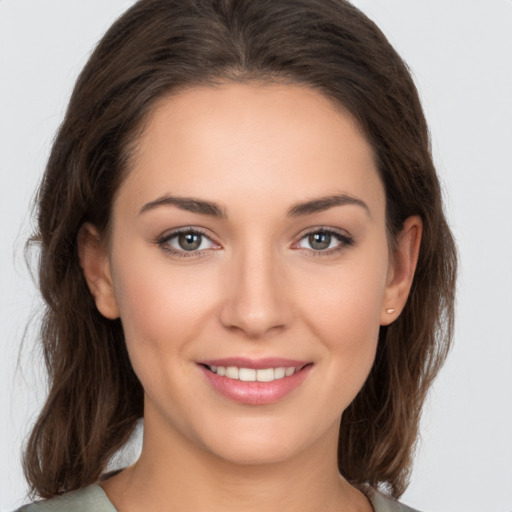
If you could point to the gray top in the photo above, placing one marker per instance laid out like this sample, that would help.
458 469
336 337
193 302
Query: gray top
89 499
94 499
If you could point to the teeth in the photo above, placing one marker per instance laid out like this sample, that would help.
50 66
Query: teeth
247 374
267 375
252 375
289 371
232 372
279 373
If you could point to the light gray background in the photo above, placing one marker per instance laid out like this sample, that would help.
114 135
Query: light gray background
460 54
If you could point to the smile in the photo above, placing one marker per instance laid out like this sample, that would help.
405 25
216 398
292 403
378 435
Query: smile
252 374
255 382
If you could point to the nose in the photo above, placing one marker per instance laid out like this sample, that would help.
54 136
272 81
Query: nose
257 299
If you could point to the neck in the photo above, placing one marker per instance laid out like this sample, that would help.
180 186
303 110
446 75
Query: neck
173 473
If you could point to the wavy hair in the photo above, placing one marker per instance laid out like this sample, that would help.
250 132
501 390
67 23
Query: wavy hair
161 46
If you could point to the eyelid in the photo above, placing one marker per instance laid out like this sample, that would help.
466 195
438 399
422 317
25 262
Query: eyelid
345 240
162 242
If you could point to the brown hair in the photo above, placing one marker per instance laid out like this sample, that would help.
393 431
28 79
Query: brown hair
160 46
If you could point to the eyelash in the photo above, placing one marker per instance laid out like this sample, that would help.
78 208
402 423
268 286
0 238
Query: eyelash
343 239
163 242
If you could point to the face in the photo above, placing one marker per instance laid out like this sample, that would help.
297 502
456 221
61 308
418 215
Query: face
249 264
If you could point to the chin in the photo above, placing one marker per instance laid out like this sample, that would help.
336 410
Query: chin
261 442
255 454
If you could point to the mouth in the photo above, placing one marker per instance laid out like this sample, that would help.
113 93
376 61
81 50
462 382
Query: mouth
255 382
253 374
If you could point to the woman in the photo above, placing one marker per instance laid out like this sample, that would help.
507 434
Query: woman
243 242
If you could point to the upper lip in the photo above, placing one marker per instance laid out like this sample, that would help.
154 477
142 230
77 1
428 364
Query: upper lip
257 364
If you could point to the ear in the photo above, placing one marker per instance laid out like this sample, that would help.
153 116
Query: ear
93 256
401 270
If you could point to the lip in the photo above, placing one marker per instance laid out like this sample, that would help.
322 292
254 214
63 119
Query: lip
255 393
256 364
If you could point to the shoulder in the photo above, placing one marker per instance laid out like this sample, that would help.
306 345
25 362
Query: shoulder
89 499
383 503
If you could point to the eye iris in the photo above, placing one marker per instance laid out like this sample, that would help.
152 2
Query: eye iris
319 241
189 241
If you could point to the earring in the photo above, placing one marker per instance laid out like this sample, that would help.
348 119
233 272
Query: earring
390 311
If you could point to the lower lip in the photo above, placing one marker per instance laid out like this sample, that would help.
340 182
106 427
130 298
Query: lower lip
256 393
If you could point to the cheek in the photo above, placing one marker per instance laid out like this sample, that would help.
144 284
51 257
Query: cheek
163 310
344 314
348 297
162 307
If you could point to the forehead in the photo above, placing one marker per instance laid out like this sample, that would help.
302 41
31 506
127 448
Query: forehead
274 141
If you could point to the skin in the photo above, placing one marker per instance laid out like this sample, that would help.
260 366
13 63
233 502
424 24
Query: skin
256 288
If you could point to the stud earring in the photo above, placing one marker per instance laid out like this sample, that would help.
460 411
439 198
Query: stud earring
390 311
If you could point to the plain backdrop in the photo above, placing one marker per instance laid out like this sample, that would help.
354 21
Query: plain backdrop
460 54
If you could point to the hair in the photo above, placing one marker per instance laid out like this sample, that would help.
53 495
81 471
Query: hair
162 46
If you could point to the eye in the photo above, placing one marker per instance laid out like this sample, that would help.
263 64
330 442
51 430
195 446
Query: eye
324 240
186 242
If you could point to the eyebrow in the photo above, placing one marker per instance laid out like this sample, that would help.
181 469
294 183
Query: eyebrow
324 203
188 204
215 210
